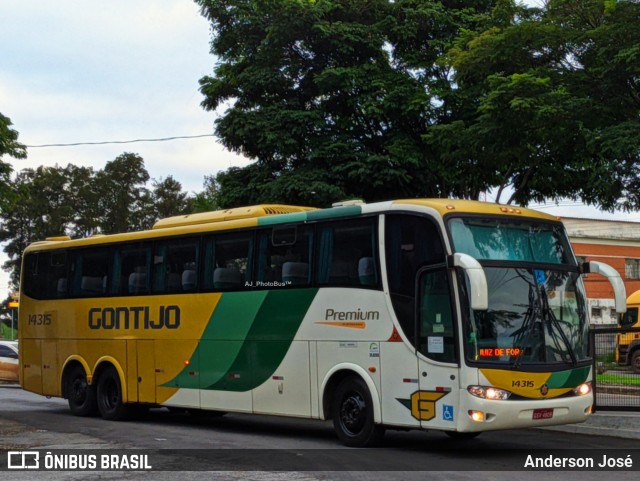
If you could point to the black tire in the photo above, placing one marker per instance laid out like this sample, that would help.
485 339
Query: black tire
80 394
109 396
352 411
635 361
462 436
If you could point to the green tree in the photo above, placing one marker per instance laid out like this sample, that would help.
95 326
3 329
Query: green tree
123 197
168 199
207 199
84 196
10 146
334 92
41 207
379 99
551 103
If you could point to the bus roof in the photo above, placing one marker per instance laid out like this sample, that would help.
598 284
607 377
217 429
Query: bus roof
271 214
229 214
450 206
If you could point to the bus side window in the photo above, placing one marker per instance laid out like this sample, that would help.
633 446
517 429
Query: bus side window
175 265
228 260
284 260
46 275
347 253
91 268
132 267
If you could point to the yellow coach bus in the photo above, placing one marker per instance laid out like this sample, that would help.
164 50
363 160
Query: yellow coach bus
450 315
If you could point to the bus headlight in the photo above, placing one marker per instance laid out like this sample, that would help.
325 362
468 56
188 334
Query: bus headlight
488 392
583 389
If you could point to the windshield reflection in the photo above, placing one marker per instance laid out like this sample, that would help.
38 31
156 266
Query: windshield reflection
534 316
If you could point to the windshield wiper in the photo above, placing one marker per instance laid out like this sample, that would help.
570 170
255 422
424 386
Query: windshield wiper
555 323
528 325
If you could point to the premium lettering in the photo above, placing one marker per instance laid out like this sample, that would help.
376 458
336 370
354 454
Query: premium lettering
358 315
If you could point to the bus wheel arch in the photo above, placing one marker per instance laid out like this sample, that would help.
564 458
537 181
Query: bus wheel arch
77 389
351 401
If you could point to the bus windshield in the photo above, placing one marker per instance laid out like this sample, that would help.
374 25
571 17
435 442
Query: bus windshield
536 313
535 316
510 240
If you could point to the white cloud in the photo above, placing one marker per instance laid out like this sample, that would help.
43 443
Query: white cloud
77 71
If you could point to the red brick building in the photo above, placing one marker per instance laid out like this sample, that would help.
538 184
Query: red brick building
616 243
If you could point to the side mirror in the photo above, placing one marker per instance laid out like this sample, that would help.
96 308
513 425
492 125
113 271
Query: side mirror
478 281
610 273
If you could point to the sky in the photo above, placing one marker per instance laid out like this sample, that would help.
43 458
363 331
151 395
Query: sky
74 71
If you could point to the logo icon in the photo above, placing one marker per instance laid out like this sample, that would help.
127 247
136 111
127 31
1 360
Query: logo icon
23 460
544 390
447 412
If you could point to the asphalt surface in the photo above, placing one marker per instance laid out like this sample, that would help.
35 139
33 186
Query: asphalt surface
14 436
617 424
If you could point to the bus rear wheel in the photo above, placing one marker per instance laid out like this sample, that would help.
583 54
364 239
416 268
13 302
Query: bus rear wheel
353 414
80 394
109 396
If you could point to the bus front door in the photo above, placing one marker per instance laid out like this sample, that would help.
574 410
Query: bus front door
436 402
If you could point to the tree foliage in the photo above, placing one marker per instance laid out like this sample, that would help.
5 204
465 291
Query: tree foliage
331 92
79 202
380 99
123 194
10 146
553 103
168 199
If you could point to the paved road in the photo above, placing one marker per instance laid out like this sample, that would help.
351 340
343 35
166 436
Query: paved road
31 421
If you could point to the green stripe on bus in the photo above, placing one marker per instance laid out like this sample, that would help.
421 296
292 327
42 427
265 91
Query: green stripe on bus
282 219
222 338
246 339
334 213
268 341
570 378
311 215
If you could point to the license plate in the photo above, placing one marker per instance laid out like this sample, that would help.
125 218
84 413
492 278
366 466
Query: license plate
546 413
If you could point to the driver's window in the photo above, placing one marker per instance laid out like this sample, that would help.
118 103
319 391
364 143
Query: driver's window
435 316
629 318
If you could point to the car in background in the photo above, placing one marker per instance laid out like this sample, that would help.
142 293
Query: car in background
9 361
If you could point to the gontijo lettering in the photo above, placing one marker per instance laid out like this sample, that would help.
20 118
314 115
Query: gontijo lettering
137 317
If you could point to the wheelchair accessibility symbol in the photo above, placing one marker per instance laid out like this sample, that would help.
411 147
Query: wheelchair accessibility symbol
447 412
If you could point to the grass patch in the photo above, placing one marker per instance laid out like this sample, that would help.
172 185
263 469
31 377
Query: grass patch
618 379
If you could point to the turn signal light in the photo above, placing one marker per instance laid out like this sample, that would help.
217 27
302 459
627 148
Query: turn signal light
477 416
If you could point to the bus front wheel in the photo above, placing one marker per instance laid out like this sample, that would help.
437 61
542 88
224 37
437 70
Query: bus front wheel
80 394
353 414
109 395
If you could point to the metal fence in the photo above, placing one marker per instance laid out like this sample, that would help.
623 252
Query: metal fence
616 386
